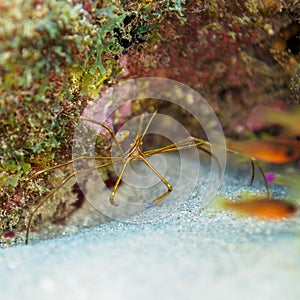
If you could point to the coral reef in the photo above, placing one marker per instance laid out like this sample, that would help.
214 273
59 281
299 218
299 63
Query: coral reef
57 56
227 51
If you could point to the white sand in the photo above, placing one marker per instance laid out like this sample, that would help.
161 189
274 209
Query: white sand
192 254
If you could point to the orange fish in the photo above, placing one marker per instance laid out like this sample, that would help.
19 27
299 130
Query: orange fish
288 119
263 208
276 151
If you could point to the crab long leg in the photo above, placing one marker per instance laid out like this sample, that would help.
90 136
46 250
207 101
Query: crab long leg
253 172
148 125
187 143
158 199
167 184
183 145
64 182
254 163
264 178
112 195
113 158
111 132
195 142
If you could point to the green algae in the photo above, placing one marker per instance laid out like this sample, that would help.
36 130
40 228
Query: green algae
56 56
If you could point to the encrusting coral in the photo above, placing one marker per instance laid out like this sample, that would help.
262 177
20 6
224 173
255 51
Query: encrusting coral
57 56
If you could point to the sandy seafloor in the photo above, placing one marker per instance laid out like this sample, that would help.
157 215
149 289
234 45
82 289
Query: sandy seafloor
191 254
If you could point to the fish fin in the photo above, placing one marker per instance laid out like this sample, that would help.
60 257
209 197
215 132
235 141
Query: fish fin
217 203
